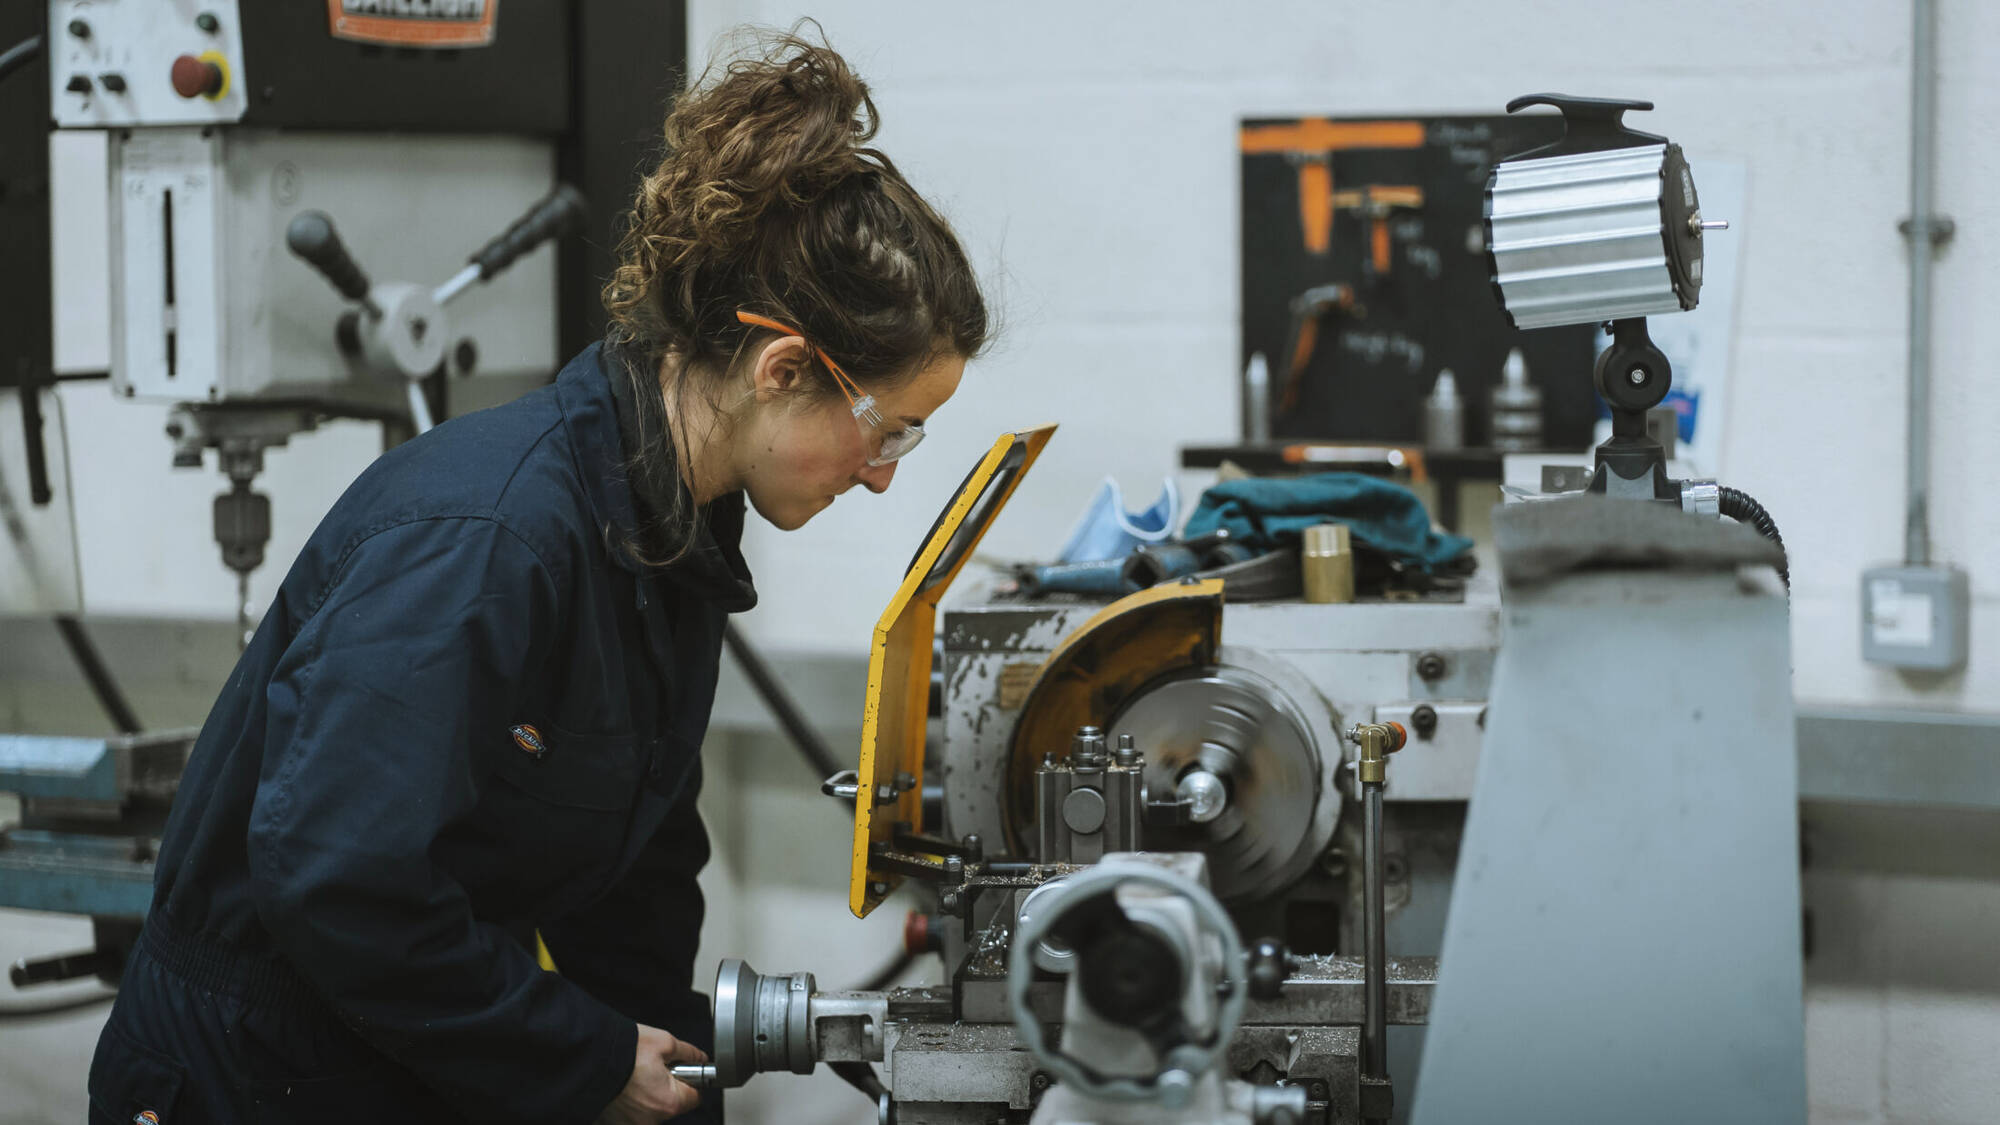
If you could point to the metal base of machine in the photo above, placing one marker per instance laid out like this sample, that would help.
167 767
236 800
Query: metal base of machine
1631 856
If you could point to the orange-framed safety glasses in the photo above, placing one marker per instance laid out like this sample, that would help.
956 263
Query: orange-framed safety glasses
887 442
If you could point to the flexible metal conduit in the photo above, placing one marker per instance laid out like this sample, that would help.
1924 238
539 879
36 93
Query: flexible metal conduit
1744 508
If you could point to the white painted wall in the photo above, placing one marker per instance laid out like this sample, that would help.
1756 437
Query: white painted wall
1087 154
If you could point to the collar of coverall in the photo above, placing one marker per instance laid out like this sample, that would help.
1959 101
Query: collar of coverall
608 422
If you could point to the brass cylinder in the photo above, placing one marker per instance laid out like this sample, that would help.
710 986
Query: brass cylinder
1326 559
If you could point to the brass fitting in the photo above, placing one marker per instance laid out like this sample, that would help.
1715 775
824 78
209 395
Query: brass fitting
1326 563
1376 741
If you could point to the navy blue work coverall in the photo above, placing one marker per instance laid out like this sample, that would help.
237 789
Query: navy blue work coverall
469 711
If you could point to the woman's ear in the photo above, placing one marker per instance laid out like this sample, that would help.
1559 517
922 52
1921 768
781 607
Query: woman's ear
783 368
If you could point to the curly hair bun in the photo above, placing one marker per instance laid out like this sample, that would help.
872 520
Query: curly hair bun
777 129
768 198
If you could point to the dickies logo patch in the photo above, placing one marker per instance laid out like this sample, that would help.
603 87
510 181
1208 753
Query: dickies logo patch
529 740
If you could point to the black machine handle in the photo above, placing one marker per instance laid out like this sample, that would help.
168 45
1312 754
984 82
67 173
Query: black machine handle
559 214
311 236
66 966
38 457
1589 124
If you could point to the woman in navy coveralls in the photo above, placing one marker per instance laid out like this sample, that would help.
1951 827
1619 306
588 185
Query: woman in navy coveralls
477 702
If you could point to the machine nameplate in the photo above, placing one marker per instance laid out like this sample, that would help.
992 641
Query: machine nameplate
435 24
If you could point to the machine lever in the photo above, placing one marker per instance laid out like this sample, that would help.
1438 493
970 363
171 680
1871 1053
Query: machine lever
970 849
1376 741
67 966
1269 966
700 1077
36 452
560 213
846 786
311 236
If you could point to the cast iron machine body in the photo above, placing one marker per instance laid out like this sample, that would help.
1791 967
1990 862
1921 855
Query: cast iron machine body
1080 984
1149 893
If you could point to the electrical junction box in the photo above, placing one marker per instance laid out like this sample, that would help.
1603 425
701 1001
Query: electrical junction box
1915 616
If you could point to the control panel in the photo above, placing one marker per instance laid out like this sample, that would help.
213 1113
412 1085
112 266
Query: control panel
145 62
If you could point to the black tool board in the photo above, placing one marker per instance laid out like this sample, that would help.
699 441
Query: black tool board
1434 307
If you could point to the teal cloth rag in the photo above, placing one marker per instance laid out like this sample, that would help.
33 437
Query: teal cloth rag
1270 512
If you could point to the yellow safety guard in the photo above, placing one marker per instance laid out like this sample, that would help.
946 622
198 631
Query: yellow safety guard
891 770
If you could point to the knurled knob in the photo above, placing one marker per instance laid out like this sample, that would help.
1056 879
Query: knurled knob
918 935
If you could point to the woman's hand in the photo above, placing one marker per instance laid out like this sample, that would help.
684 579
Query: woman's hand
653 1093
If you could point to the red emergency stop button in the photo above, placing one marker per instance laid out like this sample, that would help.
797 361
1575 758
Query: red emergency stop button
196 78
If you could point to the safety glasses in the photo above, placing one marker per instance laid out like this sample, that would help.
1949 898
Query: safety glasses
890 441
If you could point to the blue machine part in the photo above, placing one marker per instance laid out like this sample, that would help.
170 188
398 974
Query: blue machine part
108 873
79 769
70 873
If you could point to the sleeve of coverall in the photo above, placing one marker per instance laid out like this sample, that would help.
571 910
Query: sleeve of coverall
420 644
634 947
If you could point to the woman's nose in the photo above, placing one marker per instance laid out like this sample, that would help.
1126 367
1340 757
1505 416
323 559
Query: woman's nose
875 478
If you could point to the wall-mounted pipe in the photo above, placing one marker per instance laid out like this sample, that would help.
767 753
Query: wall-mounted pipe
1925 230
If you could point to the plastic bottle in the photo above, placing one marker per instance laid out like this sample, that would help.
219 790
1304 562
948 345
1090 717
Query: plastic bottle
1444 414
1257 400
1517 408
